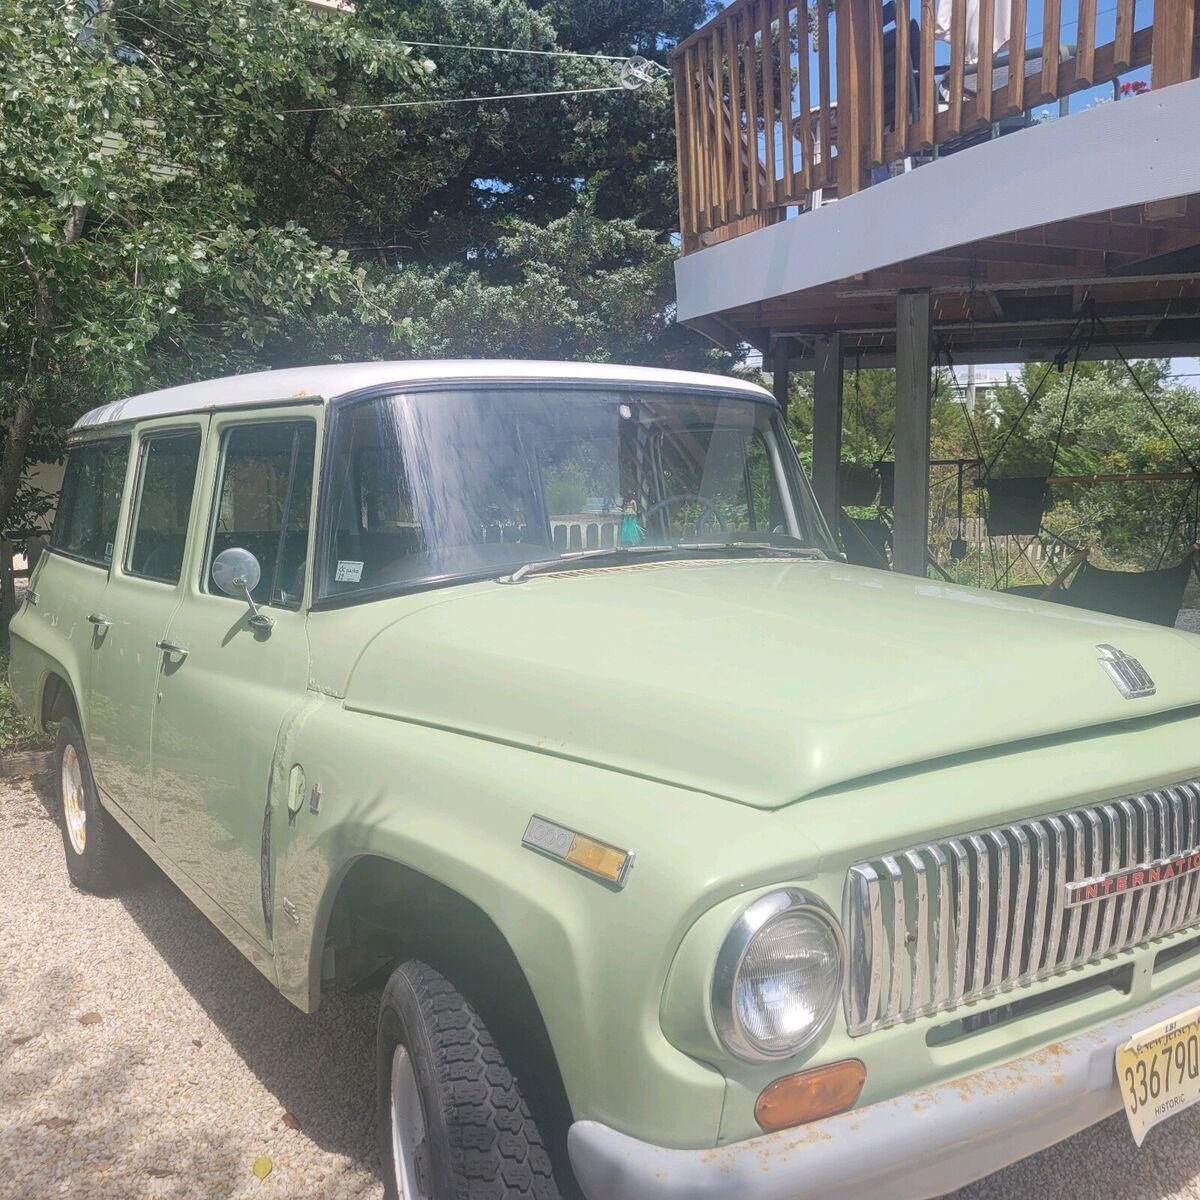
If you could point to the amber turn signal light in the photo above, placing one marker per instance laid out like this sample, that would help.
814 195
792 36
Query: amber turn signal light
606 861
810 1095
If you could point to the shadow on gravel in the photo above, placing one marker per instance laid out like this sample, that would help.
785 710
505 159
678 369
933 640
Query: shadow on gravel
320 1067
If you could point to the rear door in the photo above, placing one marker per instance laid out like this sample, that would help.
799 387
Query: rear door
144 590
71 580
222 703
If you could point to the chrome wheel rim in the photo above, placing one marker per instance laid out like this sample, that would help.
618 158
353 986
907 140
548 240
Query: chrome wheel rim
74 810
408 1125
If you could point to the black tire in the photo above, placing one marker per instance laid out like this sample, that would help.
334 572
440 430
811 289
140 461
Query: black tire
481 1143
100 866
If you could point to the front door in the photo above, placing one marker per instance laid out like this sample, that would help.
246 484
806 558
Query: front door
223 700
144 589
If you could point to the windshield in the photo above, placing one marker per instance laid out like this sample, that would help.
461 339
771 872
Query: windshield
448 484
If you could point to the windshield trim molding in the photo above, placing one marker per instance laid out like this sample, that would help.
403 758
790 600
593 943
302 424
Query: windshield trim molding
450 383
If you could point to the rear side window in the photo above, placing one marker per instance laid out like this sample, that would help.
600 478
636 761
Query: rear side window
85 525
263 505
166 481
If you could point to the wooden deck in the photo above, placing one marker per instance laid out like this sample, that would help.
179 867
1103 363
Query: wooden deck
782 106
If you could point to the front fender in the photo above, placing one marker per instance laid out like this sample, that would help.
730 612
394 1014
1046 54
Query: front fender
29 667
454 808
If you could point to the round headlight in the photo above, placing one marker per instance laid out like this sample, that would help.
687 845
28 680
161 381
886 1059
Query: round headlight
778 976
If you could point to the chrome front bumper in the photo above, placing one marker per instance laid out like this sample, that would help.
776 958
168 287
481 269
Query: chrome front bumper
922 1144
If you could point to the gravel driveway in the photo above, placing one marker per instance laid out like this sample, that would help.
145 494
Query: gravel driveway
141 1055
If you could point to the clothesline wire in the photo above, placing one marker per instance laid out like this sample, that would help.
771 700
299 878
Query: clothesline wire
285 112
513 50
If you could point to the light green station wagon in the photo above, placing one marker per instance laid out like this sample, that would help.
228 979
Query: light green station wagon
692 862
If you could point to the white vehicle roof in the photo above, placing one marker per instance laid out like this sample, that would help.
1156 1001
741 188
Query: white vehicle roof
329 382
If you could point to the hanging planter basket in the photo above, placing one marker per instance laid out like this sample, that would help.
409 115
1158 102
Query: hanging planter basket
1016 506
858 484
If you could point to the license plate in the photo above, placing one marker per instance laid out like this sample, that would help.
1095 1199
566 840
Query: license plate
1159 1071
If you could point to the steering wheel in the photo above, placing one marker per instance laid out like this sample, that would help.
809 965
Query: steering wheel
707 505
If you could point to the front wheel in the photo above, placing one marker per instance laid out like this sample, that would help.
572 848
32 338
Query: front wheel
453 1124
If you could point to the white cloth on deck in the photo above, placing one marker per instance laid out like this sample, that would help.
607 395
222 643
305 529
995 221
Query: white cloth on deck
1002 23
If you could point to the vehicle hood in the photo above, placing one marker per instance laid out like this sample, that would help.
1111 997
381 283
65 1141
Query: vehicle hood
762 681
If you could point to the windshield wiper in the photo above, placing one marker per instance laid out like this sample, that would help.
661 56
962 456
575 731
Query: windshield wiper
541 565
537 566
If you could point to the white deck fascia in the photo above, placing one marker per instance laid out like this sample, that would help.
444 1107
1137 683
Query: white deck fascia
1134 151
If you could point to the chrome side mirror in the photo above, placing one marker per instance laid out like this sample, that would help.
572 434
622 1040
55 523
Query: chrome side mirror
237 573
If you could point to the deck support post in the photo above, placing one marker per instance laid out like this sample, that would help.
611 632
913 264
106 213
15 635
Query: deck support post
914 356
827 427
781 377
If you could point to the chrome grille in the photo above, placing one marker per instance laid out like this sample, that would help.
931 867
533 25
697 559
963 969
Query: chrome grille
965 918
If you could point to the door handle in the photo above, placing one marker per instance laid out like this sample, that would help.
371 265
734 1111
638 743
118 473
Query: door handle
172 648
99 620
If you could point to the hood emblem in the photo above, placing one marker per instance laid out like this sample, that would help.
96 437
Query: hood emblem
1131 679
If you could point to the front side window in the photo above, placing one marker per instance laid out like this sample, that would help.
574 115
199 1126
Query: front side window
442 485
166 481
85 525
263 505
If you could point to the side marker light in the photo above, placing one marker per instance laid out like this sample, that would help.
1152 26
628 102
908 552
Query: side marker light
587 853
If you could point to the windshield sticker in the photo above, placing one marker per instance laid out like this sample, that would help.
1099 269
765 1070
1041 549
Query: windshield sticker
348 572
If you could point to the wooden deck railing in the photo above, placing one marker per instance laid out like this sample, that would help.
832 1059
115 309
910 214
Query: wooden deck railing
779 102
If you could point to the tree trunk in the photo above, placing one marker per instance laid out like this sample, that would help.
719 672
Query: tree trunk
20 425
12 461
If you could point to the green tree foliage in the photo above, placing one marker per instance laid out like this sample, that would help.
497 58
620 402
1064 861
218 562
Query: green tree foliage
129 250
539 226
189 188
1110 427
578 287
442 183
869 404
